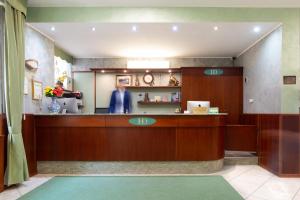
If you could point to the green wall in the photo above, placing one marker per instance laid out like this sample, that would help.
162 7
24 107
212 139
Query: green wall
62 54
289 17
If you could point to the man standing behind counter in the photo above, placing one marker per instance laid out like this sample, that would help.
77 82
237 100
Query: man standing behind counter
120 101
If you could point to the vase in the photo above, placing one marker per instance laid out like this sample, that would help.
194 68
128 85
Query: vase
54 106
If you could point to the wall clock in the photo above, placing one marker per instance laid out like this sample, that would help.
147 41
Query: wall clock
148 78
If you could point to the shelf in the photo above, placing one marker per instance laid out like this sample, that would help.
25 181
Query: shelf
158 103
152 87
126 71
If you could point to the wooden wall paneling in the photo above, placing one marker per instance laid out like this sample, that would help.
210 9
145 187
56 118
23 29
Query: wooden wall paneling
141 144
29 139
225 91
269 142
71 144
190 145
241 138
289 138
118 141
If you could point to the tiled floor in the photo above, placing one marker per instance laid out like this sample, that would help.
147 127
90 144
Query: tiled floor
251 181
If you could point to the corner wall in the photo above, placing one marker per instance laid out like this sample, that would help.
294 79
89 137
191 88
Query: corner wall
262 64
40 48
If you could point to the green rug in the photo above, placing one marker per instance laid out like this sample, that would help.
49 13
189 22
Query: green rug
134 188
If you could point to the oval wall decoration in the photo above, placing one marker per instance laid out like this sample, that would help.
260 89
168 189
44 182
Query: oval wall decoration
214 72
142 121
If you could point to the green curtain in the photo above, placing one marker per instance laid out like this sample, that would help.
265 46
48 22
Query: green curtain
15 11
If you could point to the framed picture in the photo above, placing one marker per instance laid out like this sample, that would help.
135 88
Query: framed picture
37 90
125 80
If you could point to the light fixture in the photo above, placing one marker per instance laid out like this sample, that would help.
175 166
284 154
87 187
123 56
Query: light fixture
175 28
170 71
134 28
257 29
102 71
125 71
52 28
150 64
93 29
147 71
216 28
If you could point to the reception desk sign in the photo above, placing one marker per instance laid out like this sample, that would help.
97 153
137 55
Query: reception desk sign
214 72
142 121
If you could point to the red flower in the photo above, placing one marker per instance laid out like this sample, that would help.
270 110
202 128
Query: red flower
58 91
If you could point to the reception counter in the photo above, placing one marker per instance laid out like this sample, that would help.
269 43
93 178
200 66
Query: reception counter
133 137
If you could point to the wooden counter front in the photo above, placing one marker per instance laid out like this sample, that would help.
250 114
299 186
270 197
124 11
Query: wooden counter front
113 138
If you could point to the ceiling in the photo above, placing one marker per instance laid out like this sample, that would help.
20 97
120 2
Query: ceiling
167 3
154 40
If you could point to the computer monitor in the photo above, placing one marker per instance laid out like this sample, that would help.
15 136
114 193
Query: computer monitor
70 104
193 104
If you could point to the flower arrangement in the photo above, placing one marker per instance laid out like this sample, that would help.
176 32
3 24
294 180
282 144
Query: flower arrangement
53 92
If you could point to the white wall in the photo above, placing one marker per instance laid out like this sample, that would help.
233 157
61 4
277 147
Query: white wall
84 82
1 56
262 64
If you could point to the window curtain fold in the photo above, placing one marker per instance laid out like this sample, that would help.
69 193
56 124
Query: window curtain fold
17 170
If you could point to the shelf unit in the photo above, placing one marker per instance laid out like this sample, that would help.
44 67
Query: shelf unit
158 103
153 87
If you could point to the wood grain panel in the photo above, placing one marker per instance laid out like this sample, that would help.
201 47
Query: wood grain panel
118 141
70 121
71 144
241 138
202 121
225 91
269 142
290 144
29 140
199 144
141 144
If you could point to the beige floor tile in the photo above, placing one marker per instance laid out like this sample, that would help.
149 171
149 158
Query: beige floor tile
10 194
279 188
245 189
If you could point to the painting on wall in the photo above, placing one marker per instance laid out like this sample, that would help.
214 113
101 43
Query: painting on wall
125 80
37 90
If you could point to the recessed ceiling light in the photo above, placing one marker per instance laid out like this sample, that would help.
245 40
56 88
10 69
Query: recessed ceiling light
170 71
175 28
216 28
134 28
93 29
125 71
52 28
102 71
147 71
257 29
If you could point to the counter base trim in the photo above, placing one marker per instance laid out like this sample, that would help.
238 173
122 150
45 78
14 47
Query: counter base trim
129 168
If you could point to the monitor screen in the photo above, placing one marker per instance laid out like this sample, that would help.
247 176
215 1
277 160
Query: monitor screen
70 104
192 104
